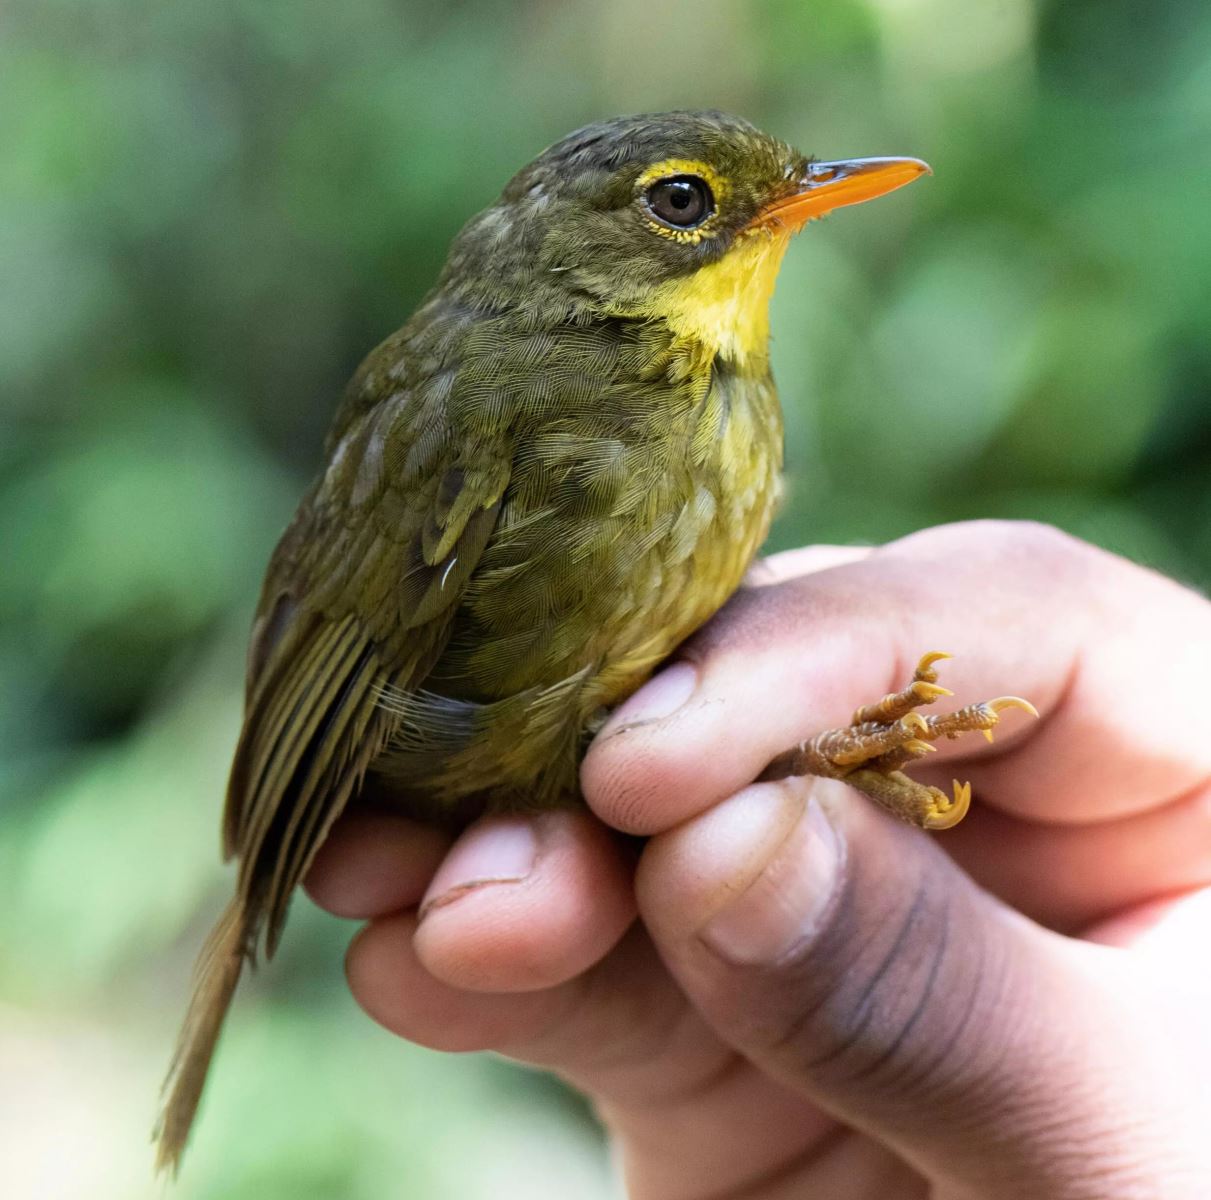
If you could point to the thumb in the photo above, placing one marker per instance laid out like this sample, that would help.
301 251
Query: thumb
846 955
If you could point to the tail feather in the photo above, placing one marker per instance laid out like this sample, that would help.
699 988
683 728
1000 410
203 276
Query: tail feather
309 735
215 978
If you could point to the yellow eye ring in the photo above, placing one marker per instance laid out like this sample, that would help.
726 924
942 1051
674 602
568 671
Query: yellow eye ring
673 172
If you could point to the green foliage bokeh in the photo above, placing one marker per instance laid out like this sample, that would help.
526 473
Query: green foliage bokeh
210 211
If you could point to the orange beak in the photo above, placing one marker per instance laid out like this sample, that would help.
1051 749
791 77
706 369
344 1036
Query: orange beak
829 185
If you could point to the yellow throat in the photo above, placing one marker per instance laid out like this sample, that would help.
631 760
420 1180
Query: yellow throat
725 305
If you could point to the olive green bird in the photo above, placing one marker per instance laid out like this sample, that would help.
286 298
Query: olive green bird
560 467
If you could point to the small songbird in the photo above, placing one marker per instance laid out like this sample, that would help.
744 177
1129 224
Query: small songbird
559 468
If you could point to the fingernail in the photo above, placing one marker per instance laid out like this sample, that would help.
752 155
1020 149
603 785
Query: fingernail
783 905
497 850
660 697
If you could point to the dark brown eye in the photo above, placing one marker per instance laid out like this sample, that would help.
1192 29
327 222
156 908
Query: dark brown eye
682 201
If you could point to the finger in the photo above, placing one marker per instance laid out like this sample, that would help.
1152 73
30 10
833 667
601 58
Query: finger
373 863
845 955
1070 876
517 903
790 564
1091 639
622 1029
688 1115
392 985
1162 935
522 903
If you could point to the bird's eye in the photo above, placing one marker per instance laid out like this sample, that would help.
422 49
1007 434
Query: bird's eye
683 201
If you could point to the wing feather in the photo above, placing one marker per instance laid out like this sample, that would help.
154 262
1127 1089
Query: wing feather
360 595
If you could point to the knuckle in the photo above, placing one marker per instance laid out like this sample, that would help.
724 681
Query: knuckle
999 538
756 619
1022 549
1038 540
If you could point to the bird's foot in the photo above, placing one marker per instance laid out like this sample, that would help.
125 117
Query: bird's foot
884 737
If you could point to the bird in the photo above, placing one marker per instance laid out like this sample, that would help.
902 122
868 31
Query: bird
558 468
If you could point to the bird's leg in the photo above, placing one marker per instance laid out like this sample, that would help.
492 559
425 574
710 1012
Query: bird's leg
884 737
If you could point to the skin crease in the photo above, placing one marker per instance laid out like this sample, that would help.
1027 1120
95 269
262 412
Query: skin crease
1015 1008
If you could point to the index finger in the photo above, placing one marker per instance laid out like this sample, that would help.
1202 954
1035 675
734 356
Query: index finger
1114 656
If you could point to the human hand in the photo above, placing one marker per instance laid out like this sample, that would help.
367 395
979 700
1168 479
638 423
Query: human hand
820 1000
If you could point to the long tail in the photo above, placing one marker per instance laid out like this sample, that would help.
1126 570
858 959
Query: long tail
215 978
310 730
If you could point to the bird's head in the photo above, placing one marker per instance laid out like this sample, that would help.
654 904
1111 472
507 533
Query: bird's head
680 216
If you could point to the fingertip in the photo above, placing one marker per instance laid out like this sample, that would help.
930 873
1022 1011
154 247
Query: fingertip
632 779
374 863
648 779
762 838
645 769
762 684
515 932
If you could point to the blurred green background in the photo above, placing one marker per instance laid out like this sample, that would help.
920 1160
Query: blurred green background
210 211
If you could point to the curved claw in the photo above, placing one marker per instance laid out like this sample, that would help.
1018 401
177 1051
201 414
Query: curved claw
927 692
954 812
928 660
1003 702
914 723
916 746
